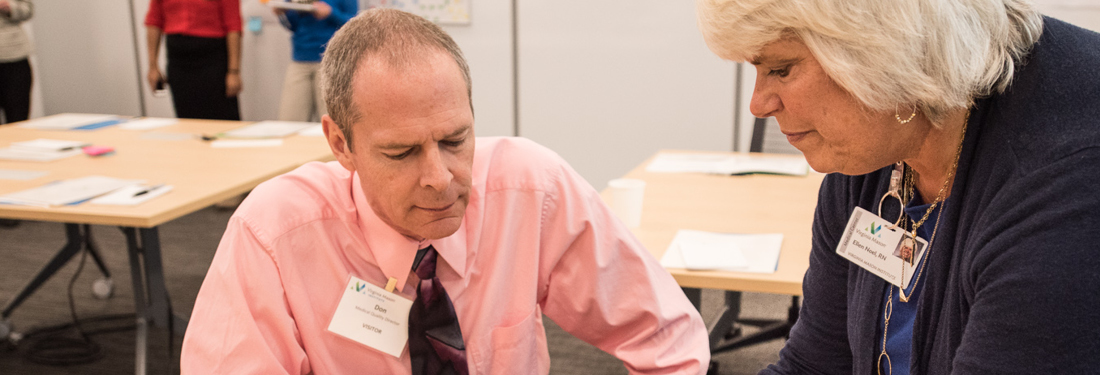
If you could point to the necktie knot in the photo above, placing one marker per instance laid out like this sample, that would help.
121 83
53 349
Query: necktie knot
424 266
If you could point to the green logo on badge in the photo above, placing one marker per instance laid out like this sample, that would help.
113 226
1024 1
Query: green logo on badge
875 229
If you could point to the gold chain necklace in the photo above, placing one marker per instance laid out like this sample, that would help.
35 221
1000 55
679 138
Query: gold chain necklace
939 199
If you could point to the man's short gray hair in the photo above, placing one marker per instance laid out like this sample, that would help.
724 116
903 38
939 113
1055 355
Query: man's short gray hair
939 54
398 37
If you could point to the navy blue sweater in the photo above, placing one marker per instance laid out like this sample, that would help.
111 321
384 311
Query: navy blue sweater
1013 282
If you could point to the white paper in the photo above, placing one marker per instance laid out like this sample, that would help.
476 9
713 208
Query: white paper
65 192
706 251
373 317
239 143
290 6
313 131
760 252
726 164
35 155
268 129
66 121
128 196
19 175
43 144
148 123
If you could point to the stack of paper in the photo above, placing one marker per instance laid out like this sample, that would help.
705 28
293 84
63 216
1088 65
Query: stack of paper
41 150
268 129
727 164
67 192
73 121
698 250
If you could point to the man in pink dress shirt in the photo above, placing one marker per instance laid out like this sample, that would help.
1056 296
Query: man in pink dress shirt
518 234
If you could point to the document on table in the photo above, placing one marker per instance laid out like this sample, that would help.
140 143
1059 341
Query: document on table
268 129
313 131
73 121
239 143
727 164
699 250
41 150
21 175
148 123
132 195
60 193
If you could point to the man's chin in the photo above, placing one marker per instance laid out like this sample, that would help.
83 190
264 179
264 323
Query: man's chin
440 228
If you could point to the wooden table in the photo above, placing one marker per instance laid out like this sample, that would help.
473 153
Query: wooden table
173 155
756 203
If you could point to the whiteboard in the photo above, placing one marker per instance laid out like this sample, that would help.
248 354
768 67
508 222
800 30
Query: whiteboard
446 12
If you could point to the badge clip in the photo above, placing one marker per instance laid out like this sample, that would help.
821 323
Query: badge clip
391 284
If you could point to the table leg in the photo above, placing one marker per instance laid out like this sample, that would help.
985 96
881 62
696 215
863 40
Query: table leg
77 237
151 302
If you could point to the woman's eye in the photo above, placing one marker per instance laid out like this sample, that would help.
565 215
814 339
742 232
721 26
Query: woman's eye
781 72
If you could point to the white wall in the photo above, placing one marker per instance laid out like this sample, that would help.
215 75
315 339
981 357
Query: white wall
487 45
608 83
1084 13
84 57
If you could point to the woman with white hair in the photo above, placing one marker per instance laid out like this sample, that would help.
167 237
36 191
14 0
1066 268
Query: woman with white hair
982 119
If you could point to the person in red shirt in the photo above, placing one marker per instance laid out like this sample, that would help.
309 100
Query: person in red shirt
203 38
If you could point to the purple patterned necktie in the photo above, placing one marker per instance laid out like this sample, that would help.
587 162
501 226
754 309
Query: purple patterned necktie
435 341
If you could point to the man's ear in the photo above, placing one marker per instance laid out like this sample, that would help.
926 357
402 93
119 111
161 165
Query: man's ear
337 143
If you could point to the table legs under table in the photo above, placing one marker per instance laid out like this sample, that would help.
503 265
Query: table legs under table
78 237
150 294
151 301
724 331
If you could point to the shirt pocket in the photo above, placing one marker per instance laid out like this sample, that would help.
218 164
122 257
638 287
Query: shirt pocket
517 349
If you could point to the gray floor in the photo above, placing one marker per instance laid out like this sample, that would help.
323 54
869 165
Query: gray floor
188 246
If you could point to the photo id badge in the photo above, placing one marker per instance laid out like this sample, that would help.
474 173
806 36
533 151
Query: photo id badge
371 316
872 243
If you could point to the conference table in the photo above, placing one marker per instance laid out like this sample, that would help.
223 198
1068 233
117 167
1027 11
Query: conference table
176 155
753 203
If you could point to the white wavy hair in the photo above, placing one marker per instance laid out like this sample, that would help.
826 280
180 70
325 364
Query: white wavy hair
936 54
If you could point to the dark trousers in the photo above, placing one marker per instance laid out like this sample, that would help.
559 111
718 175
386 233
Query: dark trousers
15 90
196 76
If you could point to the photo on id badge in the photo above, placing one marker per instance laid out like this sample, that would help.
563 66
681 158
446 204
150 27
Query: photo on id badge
909 249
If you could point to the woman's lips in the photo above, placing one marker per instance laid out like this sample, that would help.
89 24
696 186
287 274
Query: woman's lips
793 137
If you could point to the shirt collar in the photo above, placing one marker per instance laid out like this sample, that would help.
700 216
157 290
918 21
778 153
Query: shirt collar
393 251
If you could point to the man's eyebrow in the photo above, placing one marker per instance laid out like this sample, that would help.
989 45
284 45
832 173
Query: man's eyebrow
458 132
398 145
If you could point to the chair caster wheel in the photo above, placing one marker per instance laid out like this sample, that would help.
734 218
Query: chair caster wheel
103 288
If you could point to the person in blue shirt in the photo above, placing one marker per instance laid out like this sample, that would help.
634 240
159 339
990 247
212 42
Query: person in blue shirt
311 30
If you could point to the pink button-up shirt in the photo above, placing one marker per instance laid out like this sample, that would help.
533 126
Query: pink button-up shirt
536 239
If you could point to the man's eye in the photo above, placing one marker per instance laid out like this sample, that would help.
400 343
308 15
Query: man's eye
454 143
399 156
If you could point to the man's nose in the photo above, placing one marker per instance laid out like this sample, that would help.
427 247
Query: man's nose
434 171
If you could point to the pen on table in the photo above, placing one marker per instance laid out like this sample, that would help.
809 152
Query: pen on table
147 190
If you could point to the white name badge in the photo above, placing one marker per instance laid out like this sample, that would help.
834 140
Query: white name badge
373 317
871 243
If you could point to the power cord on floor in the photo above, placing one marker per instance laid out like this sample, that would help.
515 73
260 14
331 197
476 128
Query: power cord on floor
58 346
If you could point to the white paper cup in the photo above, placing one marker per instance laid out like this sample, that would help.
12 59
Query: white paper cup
627 195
